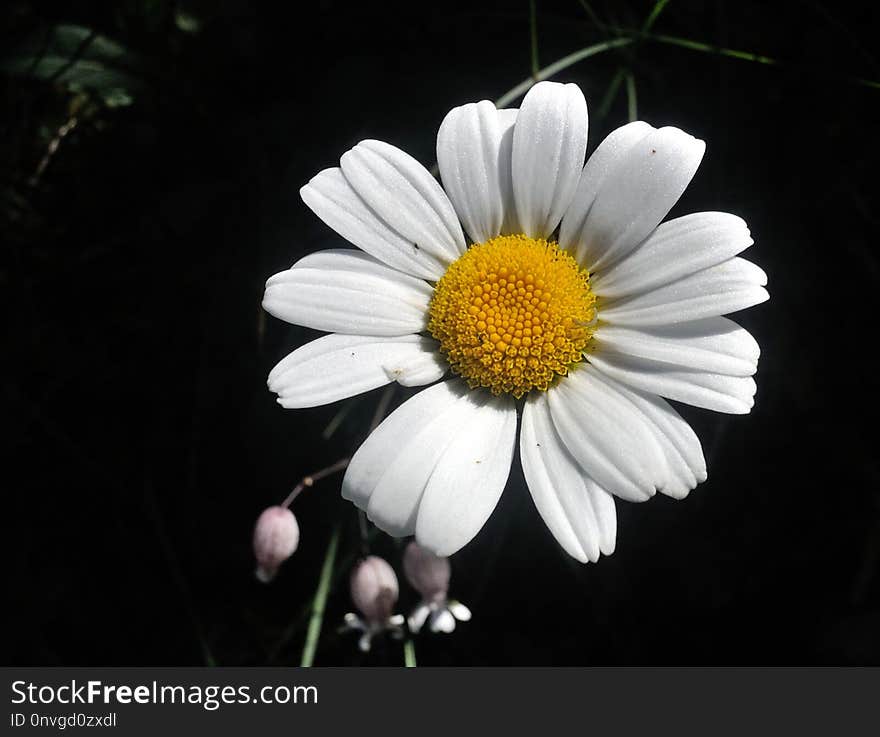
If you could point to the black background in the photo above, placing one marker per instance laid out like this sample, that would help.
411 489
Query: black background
141 441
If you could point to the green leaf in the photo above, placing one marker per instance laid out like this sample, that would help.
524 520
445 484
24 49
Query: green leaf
80 60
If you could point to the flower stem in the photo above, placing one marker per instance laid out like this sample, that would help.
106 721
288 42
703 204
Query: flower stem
687 43
309 480
708 48
611 93
533 31
304 615
652 16
557 66
364 530
622 72
409 653
631 100
320 601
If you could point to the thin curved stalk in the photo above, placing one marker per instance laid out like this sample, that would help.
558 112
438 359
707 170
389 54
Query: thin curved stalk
655 12
557 66
533 32
409 653
632 105
320 602
624 73
707 48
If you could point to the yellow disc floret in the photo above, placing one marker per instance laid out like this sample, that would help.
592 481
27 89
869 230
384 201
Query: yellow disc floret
513 313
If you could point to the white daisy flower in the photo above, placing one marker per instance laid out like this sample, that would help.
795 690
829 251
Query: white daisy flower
572 306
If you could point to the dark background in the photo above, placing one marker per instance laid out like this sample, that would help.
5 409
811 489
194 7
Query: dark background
141 442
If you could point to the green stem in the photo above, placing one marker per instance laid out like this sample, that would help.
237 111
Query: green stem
533 30
588 9
320 602
631 100
652 16
706 48
304 615
409 653
611 93
557 66
622 73
692 45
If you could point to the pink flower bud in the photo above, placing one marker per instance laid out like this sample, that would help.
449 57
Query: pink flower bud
427 573
374 589
276 537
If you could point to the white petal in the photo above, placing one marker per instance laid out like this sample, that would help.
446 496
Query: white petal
417 369
469 477
714 344
579 513
507 121
418 617
640 188
675 249
405 195
442 621
468 156
606 435
388 473
549 143
604 159
338 366
730 394
718 290
332 199
685 464
459 611
346 291
354 622
543 492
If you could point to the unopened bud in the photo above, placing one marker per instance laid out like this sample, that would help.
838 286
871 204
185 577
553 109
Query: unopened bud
427 573
374 589
276 537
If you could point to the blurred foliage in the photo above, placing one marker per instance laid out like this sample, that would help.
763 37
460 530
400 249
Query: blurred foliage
66 80
79 60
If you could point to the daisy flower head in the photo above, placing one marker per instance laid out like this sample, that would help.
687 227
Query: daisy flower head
529 290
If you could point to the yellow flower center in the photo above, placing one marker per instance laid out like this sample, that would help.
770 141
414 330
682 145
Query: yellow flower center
513 313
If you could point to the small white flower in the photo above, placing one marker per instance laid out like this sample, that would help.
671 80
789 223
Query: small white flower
429 575
374 591
573 304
